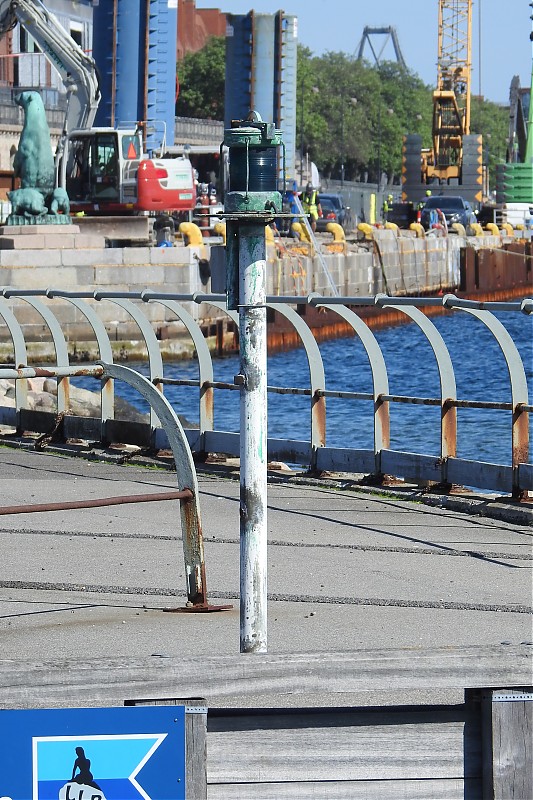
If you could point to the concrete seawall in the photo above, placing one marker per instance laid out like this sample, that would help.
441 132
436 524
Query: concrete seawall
395 265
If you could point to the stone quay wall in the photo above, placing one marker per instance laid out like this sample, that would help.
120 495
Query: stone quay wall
390 264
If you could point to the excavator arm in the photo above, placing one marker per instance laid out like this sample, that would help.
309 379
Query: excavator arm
76 68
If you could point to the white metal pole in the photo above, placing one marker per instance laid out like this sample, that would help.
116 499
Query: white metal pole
253 447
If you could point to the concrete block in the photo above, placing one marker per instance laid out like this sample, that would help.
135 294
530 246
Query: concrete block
29 258
89 241
43 278
136 277
75 257
34 242
178 255
58 241
176 277
117 228
30 230
136 255
84 277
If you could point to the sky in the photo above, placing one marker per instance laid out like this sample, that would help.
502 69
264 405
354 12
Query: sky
337 25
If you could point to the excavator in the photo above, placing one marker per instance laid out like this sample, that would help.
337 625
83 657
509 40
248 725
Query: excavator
103 170
453 165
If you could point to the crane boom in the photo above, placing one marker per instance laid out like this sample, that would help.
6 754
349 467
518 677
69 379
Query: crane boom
76 68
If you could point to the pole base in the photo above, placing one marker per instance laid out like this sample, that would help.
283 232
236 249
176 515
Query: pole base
197 609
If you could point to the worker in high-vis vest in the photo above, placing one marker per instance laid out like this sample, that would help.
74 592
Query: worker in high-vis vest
311 205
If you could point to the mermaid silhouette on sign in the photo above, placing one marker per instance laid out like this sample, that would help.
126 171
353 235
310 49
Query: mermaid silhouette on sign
84 775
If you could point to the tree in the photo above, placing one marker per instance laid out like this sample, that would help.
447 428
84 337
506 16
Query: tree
201 78
351 117
492 121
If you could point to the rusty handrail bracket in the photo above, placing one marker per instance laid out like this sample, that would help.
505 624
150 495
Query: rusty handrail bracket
193 544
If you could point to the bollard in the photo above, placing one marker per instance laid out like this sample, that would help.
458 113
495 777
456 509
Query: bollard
251 202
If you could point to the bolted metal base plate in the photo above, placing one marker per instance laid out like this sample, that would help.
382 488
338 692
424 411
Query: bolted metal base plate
198 609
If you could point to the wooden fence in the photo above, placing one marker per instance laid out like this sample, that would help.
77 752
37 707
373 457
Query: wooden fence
309 725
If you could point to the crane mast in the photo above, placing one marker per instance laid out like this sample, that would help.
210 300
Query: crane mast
451 99
453 164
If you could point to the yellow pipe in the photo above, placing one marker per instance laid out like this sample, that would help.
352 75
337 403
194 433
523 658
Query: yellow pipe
391 226
508 228
269 233
220 230
492 228
191 233
301 230
476 228
418 228
337 231
458 228
367 229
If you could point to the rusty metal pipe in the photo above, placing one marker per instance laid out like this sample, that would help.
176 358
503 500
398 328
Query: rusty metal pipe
185 494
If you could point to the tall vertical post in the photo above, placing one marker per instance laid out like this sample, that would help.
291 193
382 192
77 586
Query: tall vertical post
253 442
252 201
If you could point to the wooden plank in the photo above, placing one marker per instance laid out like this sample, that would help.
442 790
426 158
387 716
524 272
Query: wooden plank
508 744
350 790
267 680
195 743
344 745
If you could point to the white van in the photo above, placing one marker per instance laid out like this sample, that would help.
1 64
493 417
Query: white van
518 214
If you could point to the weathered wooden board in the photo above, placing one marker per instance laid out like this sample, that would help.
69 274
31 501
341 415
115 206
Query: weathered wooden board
268 679
195 743
339 745
508 744
350 790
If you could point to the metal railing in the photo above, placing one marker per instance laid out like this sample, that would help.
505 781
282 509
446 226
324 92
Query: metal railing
187 494
444 467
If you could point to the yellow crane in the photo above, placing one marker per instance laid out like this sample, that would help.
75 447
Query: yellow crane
453 165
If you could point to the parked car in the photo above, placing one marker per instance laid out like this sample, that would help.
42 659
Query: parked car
455 209
401 214
333 210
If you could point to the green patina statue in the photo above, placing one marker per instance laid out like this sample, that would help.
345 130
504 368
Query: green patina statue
37 201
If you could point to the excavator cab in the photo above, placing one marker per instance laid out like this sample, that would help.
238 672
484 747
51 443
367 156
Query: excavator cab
101 168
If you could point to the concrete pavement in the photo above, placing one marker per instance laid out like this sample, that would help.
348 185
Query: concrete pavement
346 569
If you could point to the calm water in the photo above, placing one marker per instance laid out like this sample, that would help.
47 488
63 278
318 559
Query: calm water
479 366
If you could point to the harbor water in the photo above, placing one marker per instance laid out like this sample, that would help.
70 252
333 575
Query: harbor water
479 366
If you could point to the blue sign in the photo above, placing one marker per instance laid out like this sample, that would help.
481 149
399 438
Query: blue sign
132 753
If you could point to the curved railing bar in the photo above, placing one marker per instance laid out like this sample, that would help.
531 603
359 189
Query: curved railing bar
107 392
314 360
317 376
155 361
518 380
193 548
448 388
59 342
205 363
380 381
20 354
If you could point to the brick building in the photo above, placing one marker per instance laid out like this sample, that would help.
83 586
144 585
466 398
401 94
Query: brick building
196 25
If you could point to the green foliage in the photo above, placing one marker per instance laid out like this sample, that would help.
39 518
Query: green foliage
348 112
492 121
356 115
201 77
